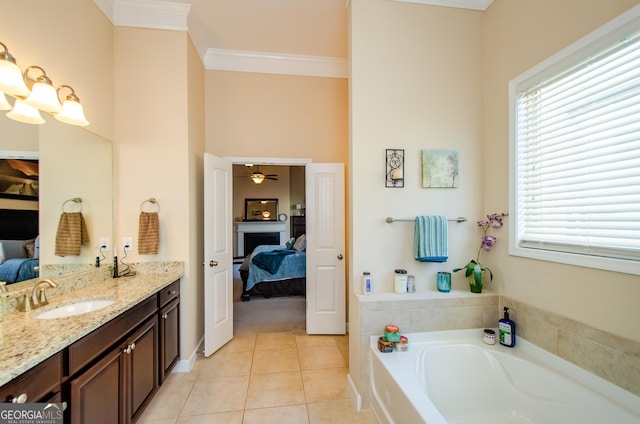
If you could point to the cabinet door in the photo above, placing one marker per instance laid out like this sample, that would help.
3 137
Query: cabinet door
143 366
98 394
169 338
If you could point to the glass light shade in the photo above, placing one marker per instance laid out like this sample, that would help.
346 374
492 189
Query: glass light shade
72 113
44 97
23 112
11 81
4 104
257 178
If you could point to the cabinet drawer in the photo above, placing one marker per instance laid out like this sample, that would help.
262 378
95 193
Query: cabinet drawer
169 293
94 344
40 382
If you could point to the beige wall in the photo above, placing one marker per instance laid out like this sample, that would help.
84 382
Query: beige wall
264 115
153 150
416 83
518 35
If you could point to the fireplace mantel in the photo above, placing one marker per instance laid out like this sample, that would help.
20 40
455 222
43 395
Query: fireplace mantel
258 227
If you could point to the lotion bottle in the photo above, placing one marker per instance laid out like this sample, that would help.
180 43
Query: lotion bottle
366 282
507 330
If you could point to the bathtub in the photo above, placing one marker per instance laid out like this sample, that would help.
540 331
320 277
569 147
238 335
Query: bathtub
453 377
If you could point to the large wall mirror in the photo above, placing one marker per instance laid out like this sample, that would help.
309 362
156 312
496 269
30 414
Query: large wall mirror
73 164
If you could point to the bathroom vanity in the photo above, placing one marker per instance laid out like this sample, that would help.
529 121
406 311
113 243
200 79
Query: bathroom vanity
106 364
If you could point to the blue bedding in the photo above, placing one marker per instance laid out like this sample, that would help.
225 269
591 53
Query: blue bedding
18 269
294 265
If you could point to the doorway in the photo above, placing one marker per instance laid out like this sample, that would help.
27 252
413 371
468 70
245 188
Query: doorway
285 184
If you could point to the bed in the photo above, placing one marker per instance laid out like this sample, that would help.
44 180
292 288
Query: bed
19 245
262 274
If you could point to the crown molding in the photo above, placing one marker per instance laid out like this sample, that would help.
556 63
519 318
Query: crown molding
146 14
459 4
275 63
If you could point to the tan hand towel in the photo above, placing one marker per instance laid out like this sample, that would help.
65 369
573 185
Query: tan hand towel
148 233
71 235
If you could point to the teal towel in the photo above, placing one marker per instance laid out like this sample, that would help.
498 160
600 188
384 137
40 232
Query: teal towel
431 239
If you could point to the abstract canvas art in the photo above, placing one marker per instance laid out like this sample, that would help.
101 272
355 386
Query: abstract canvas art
440 168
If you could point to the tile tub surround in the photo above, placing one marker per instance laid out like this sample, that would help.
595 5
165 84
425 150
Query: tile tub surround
25 341
606 355
420 312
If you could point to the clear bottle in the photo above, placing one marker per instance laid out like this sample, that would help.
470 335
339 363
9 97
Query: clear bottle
400 281
366 282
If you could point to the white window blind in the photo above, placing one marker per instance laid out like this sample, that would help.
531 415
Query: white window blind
578 156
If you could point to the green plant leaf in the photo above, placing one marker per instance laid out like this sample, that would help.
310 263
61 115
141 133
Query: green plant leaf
477 273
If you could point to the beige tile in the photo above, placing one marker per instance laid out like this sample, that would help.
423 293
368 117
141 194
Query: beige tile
281 360
327 384
313 340
220 394
240 343
320 357
296 414
338 412
227 364
169 400
276 389
220 418
270 341
158 421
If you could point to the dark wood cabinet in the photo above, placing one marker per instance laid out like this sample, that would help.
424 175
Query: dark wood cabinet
40 384
298 226
169 323
112 373
116 389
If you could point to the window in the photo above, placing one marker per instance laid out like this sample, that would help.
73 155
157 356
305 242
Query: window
575 152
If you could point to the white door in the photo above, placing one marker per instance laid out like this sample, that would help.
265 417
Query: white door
218 253
326 308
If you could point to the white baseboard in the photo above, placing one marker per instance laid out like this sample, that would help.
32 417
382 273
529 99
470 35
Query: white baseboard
355 394
186 365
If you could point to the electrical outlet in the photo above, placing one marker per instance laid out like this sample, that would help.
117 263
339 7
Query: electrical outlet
104 242
127 241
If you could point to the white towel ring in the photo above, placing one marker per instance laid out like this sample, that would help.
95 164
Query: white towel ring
153 201
76 200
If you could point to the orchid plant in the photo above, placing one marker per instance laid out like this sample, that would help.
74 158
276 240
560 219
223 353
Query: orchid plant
474 269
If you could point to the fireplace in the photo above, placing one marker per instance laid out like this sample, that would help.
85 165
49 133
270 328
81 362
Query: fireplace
251 240
256 233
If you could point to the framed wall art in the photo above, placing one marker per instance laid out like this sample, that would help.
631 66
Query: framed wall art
440 169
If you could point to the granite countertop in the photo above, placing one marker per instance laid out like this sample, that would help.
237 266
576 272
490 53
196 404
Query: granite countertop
25 341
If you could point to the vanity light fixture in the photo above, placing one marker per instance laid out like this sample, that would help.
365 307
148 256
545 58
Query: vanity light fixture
72 111
11 79
23 112
42 95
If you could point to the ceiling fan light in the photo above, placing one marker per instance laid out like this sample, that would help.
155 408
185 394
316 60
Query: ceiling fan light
257 177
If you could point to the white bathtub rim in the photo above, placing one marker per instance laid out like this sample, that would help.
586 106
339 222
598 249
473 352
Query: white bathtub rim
393 363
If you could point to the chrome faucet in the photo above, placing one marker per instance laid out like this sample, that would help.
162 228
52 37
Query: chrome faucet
38 295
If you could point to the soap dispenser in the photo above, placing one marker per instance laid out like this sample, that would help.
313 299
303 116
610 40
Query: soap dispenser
507 330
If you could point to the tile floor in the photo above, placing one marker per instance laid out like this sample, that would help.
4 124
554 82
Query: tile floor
286 377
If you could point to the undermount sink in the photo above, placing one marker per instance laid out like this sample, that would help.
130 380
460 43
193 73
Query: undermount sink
76 308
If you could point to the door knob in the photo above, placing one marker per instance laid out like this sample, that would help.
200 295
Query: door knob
213 263
340 256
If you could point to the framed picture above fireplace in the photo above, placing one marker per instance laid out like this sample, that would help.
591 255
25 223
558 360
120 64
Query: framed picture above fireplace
260 209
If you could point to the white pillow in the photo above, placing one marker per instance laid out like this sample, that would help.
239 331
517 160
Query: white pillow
301 243
12 249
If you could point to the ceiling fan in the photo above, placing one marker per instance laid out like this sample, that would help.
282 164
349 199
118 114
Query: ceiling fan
258 177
